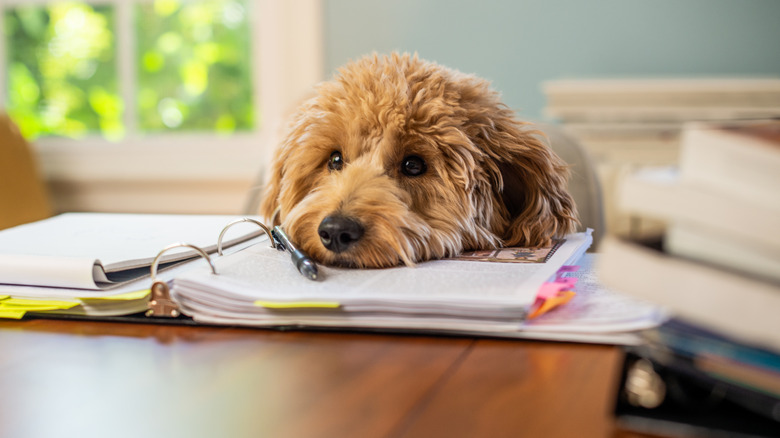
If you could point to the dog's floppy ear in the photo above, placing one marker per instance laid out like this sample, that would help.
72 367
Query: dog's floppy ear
530 180
535 190
293 170
269 205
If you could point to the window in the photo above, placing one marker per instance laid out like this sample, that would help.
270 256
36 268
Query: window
156 105
62 76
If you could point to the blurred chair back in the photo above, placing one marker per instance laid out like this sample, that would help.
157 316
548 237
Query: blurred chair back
583 184
23 193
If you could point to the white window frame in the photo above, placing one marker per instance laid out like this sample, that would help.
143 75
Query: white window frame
186 172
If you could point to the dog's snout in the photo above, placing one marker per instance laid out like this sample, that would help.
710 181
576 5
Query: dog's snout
338 233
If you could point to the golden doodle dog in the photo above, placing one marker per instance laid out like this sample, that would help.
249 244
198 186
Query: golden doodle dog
399 160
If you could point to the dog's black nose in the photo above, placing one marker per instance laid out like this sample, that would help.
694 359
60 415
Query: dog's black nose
338 232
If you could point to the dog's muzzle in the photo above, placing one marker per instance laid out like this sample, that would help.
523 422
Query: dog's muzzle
338 233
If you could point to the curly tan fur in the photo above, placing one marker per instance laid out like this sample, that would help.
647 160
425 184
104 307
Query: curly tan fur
490 181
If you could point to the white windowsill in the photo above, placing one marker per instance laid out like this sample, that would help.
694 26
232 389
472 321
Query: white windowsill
204 157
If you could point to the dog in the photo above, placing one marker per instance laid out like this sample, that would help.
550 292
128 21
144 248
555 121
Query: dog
398 160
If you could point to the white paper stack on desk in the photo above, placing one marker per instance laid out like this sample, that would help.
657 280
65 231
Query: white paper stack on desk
259 286
98 263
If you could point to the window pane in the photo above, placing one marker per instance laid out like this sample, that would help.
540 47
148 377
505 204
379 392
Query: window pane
193 66
61 70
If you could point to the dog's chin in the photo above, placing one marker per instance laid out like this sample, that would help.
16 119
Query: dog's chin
361 257
387 253
347 264
345 261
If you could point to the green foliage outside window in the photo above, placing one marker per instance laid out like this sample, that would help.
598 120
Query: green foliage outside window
61 70
192 68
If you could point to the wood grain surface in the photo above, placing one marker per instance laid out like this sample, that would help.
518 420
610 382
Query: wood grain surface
98 379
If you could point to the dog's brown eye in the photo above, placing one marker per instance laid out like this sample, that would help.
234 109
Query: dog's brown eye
413 166
335 162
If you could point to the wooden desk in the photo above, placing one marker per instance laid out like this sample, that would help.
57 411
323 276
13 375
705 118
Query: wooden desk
66 378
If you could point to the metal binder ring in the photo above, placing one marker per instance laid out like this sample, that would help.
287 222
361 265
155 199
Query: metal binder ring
177 245
237 221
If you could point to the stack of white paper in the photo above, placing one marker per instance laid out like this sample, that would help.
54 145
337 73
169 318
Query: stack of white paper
260 286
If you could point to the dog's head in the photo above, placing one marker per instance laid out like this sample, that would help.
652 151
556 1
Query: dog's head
398 160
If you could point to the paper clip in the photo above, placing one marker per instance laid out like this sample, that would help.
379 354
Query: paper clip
160 303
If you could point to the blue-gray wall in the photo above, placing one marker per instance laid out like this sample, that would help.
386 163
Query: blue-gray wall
519 44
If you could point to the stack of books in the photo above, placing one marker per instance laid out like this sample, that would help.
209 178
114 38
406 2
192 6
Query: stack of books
717 269
626 124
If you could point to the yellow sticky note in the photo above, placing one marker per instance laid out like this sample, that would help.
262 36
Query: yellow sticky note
563 297
136 295
298 305
12 314
34 305
15 308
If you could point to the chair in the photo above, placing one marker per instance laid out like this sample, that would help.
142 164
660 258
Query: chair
23 193
584 184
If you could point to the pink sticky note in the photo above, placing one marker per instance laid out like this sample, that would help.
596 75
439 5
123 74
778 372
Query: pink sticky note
549 290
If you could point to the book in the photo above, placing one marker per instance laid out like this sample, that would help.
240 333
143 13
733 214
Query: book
638 114
259 287
717 299
486 293
703 223
691 381
740 159
99 251
662 99
695 91
699 243
719 357
664 392
661 193
631 123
